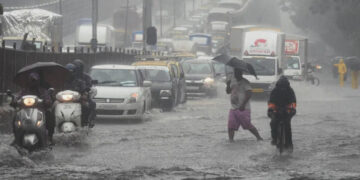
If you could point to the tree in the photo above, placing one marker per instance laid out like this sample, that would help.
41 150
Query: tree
336 21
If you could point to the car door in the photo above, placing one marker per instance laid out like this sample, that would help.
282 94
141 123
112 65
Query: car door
182 83
177 80
145 90
174 81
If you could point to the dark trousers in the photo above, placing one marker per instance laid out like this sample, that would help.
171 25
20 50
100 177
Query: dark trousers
274 124
88 112
50 123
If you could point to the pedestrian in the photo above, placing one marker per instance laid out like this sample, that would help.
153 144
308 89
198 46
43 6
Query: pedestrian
240 113
342 70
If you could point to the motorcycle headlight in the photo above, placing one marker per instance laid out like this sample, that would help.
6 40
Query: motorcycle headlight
18 123
208 81
67 97
28 102
39 119
133 98
165 93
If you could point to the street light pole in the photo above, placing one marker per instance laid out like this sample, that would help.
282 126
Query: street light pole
174 6
60 7
126 21
161 19
147 15
94 24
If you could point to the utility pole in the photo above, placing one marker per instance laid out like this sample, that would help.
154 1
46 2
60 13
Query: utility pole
147 15
126 21
174 11
94 24
161 19
60 7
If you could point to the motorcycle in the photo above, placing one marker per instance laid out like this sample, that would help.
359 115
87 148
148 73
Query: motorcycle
68 110
30 129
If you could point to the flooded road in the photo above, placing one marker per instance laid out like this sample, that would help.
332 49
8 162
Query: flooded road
191 143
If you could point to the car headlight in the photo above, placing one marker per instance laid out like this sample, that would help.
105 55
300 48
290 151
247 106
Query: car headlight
165 93
209 81
28 102
133 98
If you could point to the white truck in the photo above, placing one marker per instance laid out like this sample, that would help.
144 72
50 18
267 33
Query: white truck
263 48
105 35
295 51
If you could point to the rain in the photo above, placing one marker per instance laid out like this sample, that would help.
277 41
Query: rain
150 89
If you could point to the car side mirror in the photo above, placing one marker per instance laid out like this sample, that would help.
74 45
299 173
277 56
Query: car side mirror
94 82
147 83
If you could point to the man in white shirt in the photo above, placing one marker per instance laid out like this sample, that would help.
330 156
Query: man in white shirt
240 112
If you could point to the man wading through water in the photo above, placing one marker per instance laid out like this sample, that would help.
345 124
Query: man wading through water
240 113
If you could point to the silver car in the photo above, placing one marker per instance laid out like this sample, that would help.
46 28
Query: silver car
122 92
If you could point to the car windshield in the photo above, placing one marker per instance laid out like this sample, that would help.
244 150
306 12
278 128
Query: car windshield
230 6
263 67
156 74
197 68
293 63
115 77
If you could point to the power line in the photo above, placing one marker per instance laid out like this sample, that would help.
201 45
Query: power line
33 6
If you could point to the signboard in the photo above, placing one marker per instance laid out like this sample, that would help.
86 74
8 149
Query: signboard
260 43
291 47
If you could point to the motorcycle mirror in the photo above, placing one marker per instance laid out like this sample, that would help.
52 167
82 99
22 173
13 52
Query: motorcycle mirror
51 90
8 92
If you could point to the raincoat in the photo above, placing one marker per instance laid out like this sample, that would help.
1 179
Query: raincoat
341 67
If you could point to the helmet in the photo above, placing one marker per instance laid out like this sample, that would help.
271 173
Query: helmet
283 82
79 65
71 67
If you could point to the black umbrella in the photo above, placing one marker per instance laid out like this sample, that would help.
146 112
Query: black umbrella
236 63
51 74
353 63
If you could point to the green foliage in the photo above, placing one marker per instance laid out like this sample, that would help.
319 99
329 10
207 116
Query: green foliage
336 21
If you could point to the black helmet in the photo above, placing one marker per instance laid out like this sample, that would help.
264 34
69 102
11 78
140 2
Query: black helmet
79 65
283 82
71 67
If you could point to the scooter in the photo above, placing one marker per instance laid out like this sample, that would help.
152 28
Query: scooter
68 111
30 129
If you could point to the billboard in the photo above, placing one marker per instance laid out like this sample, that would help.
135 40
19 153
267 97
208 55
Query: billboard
291 47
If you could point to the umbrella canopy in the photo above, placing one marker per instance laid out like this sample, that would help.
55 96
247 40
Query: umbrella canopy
52 74
236 63
353 63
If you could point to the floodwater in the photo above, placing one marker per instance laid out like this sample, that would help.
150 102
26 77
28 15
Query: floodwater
191 143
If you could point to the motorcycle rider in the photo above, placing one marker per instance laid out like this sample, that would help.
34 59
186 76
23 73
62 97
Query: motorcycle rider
282 96
76 83
36 88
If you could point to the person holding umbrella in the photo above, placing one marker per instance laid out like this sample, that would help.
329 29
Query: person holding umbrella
36 79
240 93
35 87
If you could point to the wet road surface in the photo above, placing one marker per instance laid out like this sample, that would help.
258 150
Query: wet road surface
191 143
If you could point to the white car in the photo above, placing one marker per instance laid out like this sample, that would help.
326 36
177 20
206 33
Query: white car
122 92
